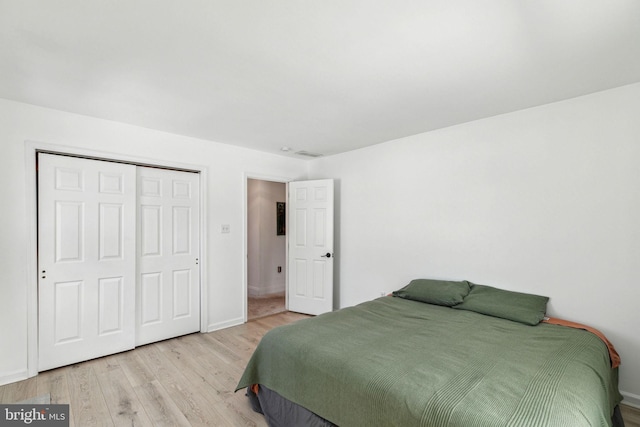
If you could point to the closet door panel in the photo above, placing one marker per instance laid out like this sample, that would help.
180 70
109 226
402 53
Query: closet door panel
86 259
168 294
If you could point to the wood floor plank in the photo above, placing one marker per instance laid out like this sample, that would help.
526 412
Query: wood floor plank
227 372
159 406
200 349
208 376
265 305
87 405
56 384
238 345
21 390
121 399
220 350
137 372
630 415
191 402
282 319
193 343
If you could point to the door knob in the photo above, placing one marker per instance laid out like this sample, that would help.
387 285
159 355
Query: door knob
327 255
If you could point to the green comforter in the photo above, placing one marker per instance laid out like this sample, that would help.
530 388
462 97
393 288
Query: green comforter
395 362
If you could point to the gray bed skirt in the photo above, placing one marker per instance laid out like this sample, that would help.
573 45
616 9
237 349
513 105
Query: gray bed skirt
281 412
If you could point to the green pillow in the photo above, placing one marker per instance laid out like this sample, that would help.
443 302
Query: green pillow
438 292
524 308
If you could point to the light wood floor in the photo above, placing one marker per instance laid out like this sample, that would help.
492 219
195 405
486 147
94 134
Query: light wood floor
630 415
179 382
265 306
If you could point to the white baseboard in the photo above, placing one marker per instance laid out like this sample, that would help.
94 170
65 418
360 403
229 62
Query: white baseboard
630 399
13 377
260 291
254 291
226 324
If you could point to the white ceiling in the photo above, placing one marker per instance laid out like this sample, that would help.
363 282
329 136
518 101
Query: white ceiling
324 76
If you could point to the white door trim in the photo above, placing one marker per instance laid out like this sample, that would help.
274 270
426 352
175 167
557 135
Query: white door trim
245 235
31 259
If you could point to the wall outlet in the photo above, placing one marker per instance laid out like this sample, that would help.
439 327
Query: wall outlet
225 228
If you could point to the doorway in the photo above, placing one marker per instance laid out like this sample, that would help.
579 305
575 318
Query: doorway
266 248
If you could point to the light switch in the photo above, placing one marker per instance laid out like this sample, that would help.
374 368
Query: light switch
225 228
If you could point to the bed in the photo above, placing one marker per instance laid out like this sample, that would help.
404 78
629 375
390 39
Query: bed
441 354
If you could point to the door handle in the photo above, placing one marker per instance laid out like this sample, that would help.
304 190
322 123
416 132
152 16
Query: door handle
327 255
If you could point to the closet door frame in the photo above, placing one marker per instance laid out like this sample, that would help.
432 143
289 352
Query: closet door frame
32 148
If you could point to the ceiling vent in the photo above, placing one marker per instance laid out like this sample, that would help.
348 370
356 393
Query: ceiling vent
308 154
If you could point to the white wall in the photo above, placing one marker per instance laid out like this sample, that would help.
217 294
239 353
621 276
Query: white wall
227 167
544 200
267 250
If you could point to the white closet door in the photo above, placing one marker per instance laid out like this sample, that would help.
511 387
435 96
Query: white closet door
168 290
86 258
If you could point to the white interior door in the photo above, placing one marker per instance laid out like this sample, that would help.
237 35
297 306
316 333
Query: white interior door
86 259
310 288
168 291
